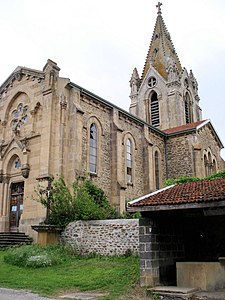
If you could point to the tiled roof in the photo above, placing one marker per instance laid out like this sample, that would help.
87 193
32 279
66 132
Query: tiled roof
202 191
184 127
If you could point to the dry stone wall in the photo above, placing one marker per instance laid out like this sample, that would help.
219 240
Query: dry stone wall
104 237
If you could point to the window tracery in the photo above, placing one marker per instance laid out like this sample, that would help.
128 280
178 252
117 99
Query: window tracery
19 116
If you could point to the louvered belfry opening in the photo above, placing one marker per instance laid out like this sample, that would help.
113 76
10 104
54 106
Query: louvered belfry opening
155 120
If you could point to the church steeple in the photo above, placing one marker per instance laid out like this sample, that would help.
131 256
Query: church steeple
161 53
166 95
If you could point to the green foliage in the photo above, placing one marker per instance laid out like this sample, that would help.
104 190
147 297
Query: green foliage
183 179
217 175
155 296
129 215
180 180
116 275
33 256
86 201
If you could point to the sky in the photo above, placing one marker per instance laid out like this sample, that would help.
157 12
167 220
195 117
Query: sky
97 44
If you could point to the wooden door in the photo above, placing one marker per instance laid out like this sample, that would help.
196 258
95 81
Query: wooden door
16 204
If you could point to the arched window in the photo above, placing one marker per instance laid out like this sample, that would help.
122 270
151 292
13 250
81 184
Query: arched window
157 171
155 120
93 148
187 104
210 165
129 160
214 166
206 165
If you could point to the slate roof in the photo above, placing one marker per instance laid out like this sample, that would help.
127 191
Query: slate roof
198 192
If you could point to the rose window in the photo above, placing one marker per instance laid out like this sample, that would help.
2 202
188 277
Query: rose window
19 116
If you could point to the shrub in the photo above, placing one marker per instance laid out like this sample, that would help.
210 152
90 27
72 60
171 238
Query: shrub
183 179
85 202
33 256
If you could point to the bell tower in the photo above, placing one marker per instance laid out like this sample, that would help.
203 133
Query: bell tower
166 95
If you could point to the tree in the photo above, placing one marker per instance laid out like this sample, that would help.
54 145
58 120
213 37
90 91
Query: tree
85 201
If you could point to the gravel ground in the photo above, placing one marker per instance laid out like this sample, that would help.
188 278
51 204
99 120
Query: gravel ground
8 294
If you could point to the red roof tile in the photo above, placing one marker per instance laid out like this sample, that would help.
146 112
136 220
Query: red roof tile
202 191
184 127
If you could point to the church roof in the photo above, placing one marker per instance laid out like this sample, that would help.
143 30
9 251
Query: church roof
161 50
201 192
193 127
185 127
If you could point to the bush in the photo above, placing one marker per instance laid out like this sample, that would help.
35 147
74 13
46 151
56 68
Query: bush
183 179
33 256
85 202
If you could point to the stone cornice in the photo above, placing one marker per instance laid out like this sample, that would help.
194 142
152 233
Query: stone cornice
18 74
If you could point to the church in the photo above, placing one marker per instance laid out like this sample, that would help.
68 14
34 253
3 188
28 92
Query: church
50 126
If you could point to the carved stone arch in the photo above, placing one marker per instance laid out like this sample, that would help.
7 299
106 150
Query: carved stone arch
152 107
22 152
21 146
130 147
94 119
214 164
94 145
149 93
11 155
209 161
126 135
8 107
157 166
188 106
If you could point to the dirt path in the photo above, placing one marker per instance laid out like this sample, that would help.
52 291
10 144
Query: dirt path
9 294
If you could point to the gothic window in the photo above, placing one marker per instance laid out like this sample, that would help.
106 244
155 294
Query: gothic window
157 170
129 160
206 165
188 114
19 117
155 120
17 163
93 148
210 165
214 166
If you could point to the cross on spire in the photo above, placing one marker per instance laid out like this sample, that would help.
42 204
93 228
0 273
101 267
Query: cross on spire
159 8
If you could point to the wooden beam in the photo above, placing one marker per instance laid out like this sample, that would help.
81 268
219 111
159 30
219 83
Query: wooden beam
177 206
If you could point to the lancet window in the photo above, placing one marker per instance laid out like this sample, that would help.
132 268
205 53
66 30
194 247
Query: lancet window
93 148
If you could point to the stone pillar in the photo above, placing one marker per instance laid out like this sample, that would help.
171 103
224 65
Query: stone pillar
1 199
4 226
5 197
149 252
198 162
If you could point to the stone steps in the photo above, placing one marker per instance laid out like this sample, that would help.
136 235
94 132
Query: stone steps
172 293
180 293
10 239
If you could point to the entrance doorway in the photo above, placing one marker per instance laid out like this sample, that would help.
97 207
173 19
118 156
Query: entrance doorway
16 204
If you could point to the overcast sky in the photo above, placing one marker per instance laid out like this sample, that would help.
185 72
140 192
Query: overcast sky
97 43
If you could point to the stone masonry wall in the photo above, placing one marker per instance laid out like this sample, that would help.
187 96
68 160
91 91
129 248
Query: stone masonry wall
104 237
180 157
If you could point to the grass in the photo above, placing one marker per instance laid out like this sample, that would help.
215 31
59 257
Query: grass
115 275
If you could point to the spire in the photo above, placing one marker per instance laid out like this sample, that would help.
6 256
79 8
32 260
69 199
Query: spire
161 50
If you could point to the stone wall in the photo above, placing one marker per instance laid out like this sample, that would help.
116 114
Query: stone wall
180 156
104 237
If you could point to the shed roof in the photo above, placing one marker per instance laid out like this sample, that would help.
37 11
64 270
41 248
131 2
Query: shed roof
201 193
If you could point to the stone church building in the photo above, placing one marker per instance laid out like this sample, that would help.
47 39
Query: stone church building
50 126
